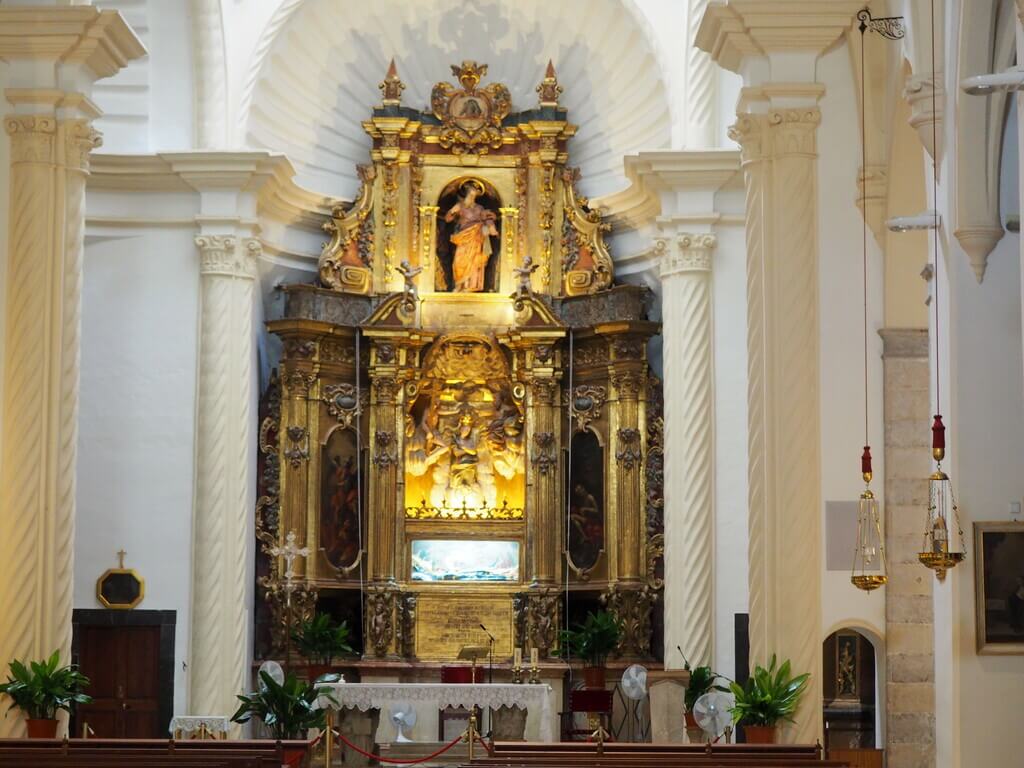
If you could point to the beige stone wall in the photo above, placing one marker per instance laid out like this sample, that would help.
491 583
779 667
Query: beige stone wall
910 663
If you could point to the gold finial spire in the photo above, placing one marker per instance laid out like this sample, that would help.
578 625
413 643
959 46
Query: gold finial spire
392 86
549 89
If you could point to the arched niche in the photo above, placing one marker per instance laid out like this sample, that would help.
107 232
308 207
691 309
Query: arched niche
450 204
852 688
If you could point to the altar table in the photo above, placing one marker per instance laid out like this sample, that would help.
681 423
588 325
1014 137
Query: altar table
365 696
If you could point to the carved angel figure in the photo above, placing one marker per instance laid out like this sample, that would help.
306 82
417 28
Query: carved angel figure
410 294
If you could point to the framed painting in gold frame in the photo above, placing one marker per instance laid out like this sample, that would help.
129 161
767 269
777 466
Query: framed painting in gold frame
999 587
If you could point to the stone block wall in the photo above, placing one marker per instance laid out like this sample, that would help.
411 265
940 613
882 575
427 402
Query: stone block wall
910 662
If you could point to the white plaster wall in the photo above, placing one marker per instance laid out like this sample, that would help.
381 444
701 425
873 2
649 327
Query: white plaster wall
986 427
841 302
139 313
729 286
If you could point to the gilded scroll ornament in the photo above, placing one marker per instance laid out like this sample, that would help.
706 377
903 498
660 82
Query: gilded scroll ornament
471 116
346 259
343 403
588 264
382 604
585 403
384 455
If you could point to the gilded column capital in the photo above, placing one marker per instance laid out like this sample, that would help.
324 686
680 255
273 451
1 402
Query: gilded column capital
32 137
691 254
226 255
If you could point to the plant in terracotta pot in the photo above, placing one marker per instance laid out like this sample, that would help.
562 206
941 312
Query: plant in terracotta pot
702 680
768 696
592 642
320 640
41 689
288 709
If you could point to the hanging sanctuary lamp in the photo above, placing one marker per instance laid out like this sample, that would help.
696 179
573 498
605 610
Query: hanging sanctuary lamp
869 571
943 545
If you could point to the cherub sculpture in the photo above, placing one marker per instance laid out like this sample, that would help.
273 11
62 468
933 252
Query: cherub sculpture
524 274
410 294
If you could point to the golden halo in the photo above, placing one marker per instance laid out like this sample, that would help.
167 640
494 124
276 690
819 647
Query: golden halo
474 183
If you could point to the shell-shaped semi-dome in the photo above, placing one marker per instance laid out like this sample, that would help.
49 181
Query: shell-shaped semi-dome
319 63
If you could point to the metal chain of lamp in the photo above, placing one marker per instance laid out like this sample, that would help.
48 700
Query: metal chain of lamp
869 566
940 551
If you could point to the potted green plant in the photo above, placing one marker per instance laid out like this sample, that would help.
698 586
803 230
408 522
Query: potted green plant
320 640
768 696
702 680
43 688
288 709
592 642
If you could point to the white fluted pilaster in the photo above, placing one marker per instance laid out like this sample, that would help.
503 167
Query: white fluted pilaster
224 473
689 446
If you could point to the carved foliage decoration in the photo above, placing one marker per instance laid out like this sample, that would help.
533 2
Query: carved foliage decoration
629 453
632 608
298 450
587 264
471 116
347 258
544 458
382 604
654 476
538 616
384 454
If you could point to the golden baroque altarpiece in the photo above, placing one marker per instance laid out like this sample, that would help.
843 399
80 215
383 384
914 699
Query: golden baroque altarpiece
464 420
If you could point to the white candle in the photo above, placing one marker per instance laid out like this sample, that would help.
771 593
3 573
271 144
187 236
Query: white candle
517 658
534 657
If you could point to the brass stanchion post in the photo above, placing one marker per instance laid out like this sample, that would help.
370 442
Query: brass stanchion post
329 734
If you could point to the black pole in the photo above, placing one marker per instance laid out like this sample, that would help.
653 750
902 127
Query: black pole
490 664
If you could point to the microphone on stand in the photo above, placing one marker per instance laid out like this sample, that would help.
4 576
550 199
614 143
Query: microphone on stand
490 666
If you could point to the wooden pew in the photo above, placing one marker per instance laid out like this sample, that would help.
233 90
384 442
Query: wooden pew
629 755
132 753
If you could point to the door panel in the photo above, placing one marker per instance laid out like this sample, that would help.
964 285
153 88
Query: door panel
123 666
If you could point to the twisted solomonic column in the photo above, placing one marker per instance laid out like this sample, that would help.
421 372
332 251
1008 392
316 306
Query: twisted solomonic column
779 153
41 341
689 448
224 474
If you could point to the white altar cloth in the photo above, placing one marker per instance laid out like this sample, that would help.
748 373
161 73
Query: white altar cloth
364 696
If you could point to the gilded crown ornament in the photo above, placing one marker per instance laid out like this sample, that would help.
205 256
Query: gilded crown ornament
392 86
549 89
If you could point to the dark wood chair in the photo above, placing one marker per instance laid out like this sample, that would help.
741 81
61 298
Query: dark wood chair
589 701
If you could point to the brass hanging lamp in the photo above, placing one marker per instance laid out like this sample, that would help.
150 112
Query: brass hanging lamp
943 545
869 571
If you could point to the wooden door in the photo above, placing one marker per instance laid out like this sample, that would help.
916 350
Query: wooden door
123 667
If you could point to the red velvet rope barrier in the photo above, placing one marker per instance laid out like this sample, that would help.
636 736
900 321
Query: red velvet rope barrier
372 756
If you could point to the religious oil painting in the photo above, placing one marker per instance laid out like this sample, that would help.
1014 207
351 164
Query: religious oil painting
586 501
461 560
999 587
339 502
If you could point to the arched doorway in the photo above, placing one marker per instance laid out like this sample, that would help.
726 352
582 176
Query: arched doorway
850 691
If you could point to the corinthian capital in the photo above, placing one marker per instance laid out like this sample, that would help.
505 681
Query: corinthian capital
224 255
691 254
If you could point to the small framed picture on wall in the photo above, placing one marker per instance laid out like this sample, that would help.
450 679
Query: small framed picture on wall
999 587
